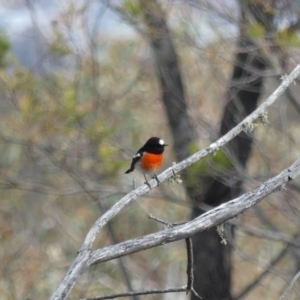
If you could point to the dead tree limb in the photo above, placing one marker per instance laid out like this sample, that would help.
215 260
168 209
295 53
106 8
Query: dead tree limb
220 214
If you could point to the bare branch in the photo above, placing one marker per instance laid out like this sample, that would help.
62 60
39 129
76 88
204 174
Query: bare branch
167 224
290 286
267 234
208 220
87 257
190 263
189 253
137 293
129 198
260 277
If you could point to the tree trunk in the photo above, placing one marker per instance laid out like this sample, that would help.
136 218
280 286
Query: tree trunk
212 265
169 74
212 259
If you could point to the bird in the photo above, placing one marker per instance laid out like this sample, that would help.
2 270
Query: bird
149 158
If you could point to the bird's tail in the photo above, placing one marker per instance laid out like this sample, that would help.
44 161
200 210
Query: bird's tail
129 171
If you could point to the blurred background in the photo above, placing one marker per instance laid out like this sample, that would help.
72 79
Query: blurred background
83 85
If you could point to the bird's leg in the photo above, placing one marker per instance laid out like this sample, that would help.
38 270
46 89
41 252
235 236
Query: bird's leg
157 180
147 182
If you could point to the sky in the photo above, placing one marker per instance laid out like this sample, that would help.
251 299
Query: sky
29 23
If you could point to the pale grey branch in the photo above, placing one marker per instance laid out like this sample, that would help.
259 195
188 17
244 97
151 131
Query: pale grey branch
290 286
129 198
86 256
208 220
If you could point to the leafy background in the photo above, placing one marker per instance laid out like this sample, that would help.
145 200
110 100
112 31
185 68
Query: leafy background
75 111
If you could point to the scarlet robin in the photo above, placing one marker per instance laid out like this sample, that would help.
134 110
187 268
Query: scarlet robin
149 158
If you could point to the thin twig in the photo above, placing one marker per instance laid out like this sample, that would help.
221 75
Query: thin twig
212 148
206 221
260 277
189 252
266 234
196 294
86 257
190 264
290 286
137 293
129 198
168 224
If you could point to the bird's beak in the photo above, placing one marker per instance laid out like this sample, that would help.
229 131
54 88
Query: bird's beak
166 145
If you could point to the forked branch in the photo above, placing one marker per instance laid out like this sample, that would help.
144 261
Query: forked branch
86 257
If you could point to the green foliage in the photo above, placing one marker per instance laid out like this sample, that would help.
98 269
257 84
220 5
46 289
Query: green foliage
287 38
4 48
256 30
132 7
219 161
58 44
66 137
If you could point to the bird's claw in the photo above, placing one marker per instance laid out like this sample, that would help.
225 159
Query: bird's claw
156 178
146 182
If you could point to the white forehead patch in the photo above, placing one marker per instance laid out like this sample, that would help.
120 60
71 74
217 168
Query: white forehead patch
161 142
137 155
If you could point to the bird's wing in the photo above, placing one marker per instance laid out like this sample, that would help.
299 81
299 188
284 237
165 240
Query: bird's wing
135 159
